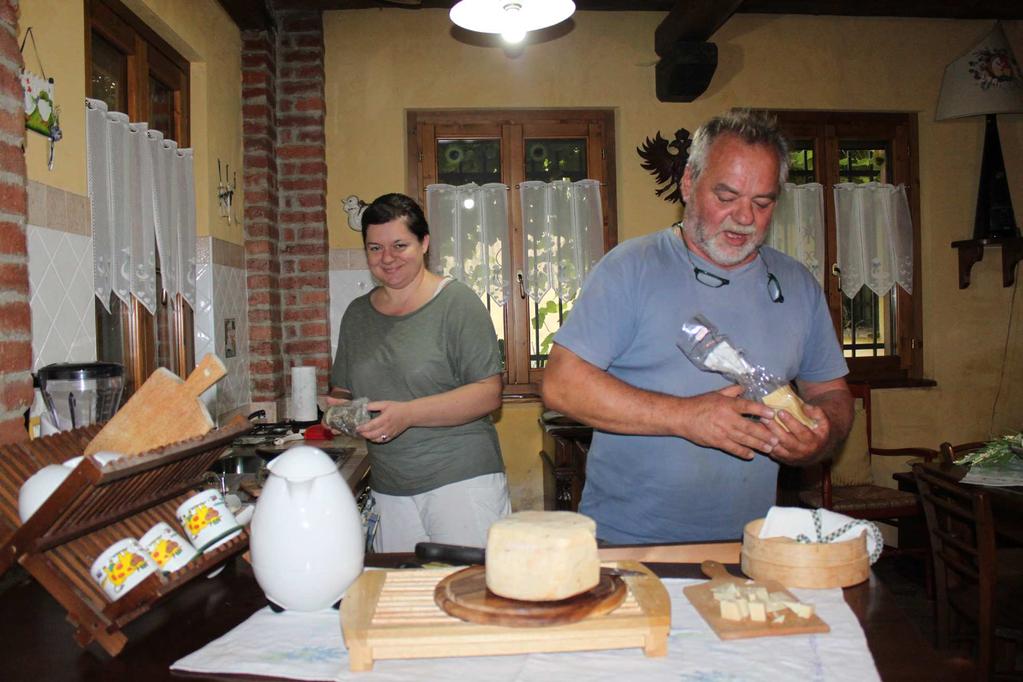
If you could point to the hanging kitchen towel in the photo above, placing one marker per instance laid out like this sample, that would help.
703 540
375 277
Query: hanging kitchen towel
820 525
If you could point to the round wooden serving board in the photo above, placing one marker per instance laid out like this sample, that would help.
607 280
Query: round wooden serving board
464 595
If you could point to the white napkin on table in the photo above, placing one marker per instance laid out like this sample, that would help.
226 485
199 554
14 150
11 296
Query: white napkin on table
820 525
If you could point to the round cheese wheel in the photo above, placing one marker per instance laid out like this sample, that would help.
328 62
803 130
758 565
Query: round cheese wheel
542 556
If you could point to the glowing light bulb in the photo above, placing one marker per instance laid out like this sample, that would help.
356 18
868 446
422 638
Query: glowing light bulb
469 204
513 33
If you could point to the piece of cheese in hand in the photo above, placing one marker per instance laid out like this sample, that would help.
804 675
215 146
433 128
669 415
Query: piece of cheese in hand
542 556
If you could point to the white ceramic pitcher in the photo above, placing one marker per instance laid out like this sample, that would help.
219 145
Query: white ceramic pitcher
306 534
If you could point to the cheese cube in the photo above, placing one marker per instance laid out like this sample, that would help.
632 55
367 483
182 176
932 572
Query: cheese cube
800 609
758 611
542 556
734 609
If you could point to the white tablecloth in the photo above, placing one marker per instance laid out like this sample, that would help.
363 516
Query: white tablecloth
308 646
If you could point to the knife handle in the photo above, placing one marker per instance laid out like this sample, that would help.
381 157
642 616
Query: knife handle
451 554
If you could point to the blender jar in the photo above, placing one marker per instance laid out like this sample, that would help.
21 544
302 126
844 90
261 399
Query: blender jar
82 393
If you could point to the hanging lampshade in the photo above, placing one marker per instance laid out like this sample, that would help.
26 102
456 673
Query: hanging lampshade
511 18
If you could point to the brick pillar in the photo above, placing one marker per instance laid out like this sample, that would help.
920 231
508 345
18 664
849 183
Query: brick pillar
15 320
302 172
262 236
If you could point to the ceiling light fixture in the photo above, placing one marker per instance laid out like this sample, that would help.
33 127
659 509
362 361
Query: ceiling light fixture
511 18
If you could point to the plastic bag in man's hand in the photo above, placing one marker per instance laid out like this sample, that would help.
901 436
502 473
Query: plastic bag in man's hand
348 416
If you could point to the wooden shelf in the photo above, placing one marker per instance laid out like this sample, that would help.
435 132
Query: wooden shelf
95 506
972 250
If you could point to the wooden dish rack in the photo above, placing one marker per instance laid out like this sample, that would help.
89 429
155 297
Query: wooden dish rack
93 508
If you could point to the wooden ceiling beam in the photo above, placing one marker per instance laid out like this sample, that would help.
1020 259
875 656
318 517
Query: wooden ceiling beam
692 21
250 15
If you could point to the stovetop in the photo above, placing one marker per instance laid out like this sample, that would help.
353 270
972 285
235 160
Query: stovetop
265 433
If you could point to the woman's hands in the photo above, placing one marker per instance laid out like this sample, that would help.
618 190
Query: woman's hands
391 421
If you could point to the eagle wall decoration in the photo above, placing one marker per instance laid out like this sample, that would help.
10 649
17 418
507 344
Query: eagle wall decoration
666 161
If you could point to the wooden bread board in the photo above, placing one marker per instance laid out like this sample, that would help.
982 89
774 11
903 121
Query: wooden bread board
392 614
164 410
464 595
702 599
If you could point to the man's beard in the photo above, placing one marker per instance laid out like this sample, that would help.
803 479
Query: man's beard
716 247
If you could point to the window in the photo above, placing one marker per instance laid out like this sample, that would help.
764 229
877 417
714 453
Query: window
881 336
510 147
134 71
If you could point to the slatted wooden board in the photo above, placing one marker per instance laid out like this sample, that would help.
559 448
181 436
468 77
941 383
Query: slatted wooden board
392 614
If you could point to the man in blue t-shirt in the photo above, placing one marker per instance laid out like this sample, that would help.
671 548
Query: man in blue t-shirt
676 455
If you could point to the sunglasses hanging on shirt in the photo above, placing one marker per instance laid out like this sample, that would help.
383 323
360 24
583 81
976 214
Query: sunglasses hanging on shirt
709 279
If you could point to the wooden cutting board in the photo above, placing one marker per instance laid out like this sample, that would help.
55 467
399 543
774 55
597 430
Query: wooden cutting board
164 410
702 598
465 595
392 614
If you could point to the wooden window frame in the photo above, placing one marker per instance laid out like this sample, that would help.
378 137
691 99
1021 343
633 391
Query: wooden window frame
512 127
148 55
826 128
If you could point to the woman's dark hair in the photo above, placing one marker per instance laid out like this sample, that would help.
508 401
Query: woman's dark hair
393 206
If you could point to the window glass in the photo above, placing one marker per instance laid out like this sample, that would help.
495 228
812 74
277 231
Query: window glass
867 322
460 162
549 160
161 107
109 74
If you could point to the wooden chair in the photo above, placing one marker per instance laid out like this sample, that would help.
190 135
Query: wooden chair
855 493
978 588
950 453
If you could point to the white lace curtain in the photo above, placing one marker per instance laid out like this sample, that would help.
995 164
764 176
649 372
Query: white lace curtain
468 228
797 227
563 229
875 237
142 196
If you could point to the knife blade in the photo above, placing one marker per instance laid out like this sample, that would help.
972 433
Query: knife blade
468 556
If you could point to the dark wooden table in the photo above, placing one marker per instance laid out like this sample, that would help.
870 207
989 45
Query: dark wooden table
36 643
1006 501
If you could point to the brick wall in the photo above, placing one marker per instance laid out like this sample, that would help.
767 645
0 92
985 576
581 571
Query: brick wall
302 171
262 235
15 320
286 241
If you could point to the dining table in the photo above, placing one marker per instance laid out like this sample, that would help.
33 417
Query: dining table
37 643
1006 501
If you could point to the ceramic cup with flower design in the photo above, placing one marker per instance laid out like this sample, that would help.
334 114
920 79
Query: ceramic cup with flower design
206 520
167 548
121 567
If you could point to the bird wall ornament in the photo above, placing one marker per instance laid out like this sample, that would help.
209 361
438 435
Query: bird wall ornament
354 207
666 161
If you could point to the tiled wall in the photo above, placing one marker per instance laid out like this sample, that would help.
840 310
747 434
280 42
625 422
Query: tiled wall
63 303
349 279
60 276
221 296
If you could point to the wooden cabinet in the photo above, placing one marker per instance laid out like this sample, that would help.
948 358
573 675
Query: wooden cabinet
565 444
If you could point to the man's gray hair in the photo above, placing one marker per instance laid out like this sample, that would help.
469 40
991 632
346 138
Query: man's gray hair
752 127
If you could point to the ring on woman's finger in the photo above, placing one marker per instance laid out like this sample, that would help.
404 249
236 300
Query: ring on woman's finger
383 437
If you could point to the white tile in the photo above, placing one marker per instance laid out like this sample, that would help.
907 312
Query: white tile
345 287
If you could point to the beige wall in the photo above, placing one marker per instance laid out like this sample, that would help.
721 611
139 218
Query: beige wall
204 34
379 63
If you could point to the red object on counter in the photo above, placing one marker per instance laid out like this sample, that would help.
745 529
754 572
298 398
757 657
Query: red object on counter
318 432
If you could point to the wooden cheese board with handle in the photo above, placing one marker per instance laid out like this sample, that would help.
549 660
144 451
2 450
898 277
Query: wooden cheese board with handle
702 598
464 595
164 410
392 614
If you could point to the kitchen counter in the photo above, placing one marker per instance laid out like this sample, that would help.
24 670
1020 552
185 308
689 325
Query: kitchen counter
37 644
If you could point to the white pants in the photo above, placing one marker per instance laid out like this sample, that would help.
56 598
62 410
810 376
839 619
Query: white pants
456 514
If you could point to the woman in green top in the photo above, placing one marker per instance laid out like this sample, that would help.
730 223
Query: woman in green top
422 348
